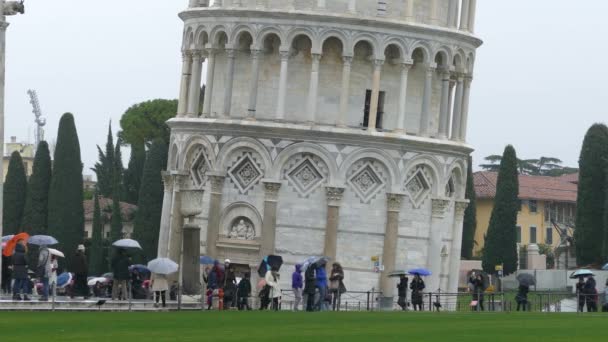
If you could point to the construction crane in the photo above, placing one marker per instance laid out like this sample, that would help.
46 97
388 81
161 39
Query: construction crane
40 121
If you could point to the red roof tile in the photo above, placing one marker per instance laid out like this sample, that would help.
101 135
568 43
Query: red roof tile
127 210
558 189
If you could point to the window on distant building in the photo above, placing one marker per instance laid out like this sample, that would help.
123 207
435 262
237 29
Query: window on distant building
549 237
547 212
532 234
518 232
533 205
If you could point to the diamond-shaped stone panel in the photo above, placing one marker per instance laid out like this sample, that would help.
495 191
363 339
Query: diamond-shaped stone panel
305 177
245 174
199 169
366 183
417 187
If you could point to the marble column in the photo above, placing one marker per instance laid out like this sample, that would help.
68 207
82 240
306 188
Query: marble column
352 6
280 115
182 106
440 206
433 13
472 13
269 224
191 263
165 223
453 13
444 113
456 248
425 117
321 4
334 199
344 96
194 95
215 203
176 219
231 56
253 85
465 107
373 107
209 83
451 103
409 11
457 120
391 237
464 15
405 69
313 88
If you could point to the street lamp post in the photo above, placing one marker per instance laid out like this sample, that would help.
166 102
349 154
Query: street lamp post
6 8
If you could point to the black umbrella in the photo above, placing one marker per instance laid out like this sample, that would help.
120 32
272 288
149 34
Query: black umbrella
263 268
268 263
526 279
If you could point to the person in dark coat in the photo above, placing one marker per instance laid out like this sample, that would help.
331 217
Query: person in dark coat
591 296
476 281
336 285
120 268
402 292
522 297
229 287
310 282
20 263
244 292
580 293
321 285
7 270
80 269
417 286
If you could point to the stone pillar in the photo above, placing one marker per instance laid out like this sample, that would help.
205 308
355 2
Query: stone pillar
209 83
176 219
352 6
182 106
472 12
313 87
453 13
405 69
231 56
444 114
439 209
425 117
194 95
215 203
389 252
334 198
253 85
434 15
280 115
451 103
269 224
456 248
409 11
457 120
465 107
464 15
165 223
344 96
373 107
191 262
321 4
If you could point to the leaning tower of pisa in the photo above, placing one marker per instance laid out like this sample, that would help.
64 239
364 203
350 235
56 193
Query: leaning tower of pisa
325 127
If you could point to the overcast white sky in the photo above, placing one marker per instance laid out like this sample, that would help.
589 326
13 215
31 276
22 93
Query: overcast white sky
539 78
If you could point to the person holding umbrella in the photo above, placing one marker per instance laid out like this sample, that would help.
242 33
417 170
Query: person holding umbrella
525 281
272 280
7 270
321 284
20 263
417 286
81 288
402 291
120 268
591 296
160 286
580 293
478 288
44 271
310 282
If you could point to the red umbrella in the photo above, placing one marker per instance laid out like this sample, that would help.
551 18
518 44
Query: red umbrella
10 245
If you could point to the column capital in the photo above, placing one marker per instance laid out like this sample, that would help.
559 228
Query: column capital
378 63
284 54
393 202
217 182
271 188
440 207
197 53
334 195
231 53
406 65
347 60
460 207
316 57
3 25
167 181
211 50
255 53
467 80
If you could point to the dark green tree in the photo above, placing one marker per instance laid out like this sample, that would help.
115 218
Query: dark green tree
66 211
116 221
104 168
118 172
590 214
470 216
35 217
501 240
132 176
147 218
145 122
15 188
96 261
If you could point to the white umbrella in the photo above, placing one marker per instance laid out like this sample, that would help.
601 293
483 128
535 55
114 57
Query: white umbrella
163 266
6 238
96 280
126 243
42 240
56 253
581 273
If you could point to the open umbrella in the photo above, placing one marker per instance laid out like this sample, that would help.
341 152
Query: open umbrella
108 275
93 281
163 266
56 253
581 273
127 243
313 260
605 268
64 279
42 240
420 271
7 237
397 274
139 268
10 244
206 260
526 279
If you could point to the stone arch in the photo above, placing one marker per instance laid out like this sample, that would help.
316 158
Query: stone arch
432 164
238 31
201 37
301 31
190 144
446 57
377 53
308 148
238 210
458 171
375 154
224 154
328 34
188 40
264 33
401 47
459 62
216 33
173 163
424 49
470 62
197 161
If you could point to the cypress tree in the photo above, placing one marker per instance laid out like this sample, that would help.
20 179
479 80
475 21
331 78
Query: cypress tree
104 168
132 176
66 211
501 240
116 222
35 219
589 233
470 216
147 218
118 172
15 187
96 261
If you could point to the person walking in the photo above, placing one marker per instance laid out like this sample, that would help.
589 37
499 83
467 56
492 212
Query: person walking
310 287
244 292
417 286
7 270
476 281
43 271
229 286
402 292
296 286
580 293
336 285
20 263
120 268
522 297
605 306
591 296
160 286
80 268
321 276
272 279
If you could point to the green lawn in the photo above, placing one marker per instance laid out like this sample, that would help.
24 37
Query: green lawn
288 326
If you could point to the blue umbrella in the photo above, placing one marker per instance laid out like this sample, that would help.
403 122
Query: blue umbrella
42 240
139 268
206 260
64 279
420 271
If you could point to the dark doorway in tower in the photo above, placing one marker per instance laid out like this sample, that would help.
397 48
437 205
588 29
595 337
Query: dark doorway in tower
240 270
368 100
